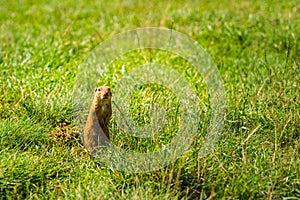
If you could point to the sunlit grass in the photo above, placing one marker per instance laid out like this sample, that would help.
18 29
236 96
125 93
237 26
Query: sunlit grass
255 46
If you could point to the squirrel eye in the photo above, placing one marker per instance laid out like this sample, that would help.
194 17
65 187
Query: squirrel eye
97 89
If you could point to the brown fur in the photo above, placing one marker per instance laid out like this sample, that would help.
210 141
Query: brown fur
96 132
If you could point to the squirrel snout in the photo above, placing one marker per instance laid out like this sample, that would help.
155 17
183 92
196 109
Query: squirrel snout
105 96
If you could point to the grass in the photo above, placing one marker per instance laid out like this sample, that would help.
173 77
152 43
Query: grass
255 45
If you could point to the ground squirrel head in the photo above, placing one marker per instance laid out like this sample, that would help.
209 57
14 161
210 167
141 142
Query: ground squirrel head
103 94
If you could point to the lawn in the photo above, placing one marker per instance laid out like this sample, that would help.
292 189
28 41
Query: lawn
255 47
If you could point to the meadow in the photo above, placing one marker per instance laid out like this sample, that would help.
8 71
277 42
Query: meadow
255 46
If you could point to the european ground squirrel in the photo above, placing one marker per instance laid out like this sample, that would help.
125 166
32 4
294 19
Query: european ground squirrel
96 132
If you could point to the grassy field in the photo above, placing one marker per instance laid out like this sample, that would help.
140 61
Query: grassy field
254 44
